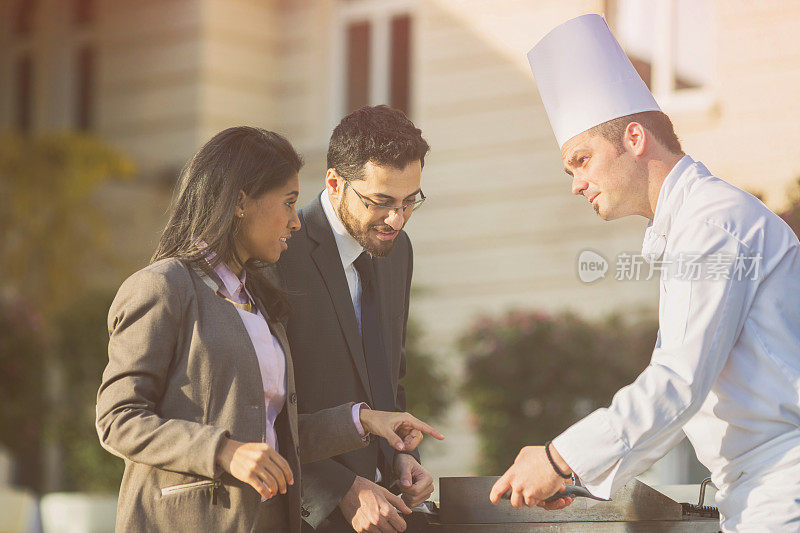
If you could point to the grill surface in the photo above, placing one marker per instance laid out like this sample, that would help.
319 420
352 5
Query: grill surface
636 507
646 526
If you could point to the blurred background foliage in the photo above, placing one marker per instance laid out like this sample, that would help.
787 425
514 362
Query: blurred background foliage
51 228
427 387
53 241
792 213
530 375
83 349
21 387
78 338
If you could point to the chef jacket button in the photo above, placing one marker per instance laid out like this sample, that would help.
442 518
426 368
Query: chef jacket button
304 512
293 398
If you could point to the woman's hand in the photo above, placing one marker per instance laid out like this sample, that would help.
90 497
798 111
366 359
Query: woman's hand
403 431
257 464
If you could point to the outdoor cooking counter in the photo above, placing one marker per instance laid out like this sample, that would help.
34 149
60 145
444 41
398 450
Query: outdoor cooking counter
465 508
689 526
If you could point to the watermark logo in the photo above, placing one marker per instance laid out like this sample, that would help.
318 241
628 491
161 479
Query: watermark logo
591 266
684 266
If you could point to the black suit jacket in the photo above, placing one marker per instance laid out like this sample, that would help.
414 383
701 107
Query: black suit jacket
329 362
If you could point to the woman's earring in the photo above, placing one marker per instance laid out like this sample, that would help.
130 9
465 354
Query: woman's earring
241 215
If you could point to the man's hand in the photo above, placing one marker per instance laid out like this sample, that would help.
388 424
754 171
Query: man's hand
402 430
532 480
370 507
416 483
257 464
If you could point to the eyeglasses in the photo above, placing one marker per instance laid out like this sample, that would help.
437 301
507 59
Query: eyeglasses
386 210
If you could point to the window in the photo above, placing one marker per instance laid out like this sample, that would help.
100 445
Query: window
24 17
23 98
84 64
399 82
82 12
84 91
52 77
669 43
358 48
373 49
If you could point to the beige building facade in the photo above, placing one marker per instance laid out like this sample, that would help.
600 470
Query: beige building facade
500 229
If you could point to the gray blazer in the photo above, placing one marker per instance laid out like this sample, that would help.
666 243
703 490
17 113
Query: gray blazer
330 365
182 374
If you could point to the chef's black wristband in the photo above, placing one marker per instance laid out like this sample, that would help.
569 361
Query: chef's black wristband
553 463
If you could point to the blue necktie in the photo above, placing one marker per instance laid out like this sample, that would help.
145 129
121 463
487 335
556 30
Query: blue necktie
374 351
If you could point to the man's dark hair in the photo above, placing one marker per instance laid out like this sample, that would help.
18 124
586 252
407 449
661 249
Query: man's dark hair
380 134
655 122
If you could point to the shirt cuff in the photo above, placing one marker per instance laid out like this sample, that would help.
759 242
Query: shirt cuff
592 450
357 419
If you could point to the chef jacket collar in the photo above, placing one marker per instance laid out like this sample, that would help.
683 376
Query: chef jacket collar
669 198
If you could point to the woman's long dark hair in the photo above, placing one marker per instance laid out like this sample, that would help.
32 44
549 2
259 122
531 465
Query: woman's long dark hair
242 158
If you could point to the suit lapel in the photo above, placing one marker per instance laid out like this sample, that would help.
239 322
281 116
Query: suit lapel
329 263
231 324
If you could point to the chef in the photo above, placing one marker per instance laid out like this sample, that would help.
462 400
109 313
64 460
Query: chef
725 371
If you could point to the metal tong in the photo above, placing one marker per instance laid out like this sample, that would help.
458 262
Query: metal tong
571 491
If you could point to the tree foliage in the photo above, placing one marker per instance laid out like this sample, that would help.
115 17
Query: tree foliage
21 385
50 226
426 386
52 237
530 375
82 347
792 214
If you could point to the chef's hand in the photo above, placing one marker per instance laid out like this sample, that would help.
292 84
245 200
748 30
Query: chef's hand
371 508
402 430
532 480
415 482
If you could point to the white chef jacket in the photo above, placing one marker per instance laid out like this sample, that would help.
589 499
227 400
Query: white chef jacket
725 371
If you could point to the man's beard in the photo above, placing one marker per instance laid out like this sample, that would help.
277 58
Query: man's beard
360 232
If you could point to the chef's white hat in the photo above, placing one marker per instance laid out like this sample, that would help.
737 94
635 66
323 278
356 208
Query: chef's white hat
585 78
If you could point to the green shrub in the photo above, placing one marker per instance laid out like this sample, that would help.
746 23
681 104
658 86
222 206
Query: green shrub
21 385
52 232
530 375
78 338
82 348
792 213
427 391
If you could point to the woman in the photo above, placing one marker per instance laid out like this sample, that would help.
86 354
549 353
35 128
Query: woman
198 395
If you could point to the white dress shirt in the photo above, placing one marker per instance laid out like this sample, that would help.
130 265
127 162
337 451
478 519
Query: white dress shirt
725 371
349 250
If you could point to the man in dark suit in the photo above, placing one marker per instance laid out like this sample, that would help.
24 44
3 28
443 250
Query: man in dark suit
348 273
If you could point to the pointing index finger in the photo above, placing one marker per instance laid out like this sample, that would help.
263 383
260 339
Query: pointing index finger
499 488
425 428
